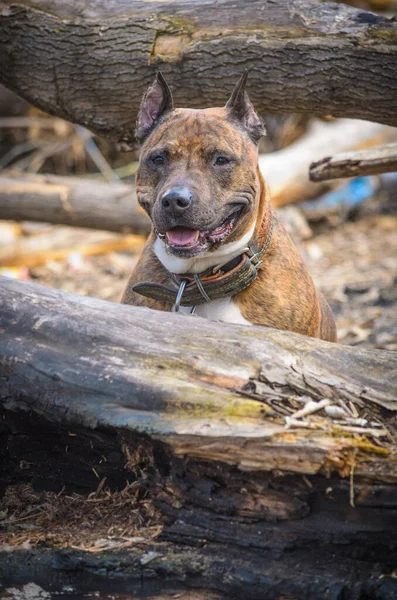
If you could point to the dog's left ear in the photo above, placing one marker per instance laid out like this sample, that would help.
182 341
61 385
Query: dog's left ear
156 102
241 109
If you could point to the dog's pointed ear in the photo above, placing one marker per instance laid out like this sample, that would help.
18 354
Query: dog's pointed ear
156 102
241 109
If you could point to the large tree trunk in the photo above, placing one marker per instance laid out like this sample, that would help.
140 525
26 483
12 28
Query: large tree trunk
91 62
254 510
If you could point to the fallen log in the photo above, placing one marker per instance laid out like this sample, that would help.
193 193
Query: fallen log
371 161
190 415
305 57
72 201
60 242
103 364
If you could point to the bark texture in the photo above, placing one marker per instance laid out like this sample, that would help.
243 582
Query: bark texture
206 388
91 62
224 532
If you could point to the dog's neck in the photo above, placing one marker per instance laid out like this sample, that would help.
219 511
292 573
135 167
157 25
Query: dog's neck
225 252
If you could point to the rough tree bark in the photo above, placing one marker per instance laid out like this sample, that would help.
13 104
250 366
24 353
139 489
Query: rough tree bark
91 62
101 380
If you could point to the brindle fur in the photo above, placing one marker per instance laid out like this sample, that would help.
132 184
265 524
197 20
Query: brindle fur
283 295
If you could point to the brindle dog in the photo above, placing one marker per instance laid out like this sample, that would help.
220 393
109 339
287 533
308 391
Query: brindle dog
200 184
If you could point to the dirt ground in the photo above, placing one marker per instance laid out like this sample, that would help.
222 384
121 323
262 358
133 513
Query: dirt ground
354 265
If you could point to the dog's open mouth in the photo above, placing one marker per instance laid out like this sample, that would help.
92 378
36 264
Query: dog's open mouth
190 242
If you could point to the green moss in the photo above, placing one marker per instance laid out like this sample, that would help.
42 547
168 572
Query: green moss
385 35
179 24
359 442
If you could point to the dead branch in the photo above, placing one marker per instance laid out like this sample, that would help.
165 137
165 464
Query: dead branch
371 161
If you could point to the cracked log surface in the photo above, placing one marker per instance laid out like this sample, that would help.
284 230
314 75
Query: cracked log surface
208 389
91 62
225 533
185 410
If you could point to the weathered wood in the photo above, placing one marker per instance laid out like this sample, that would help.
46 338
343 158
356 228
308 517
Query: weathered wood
72 201
223 532
371 161
140 397
206 388
91 62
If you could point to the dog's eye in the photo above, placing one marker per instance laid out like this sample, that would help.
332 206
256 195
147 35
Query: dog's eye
222 160
157 160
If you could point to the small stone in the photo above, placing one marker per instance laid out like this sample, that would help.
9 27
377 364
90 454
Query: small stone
353 289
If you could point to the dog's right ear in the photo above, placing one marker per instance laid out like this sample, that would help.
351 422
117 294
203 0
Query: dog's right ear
156 102
241 110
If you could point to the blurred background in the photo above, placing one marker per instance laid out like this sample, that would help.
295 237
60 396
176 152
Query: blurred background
346 229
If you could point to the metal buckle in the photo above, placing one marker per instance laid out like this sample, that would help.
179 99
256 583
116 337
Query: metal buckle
179 295
178 299
253 256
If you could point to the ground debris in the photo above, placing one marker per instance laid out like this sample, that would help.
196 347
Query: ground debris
110 521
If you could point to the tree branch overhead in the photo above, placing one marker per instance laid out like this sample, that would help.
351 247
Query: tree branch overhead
90 63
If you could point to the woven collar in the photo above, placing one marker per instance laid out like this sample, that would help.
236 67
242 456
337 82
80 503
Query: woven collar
217 282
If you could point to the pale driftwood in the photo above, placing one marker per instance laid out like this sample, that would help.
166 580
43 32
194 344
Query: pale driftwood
371 161
91 62
204 387
72 201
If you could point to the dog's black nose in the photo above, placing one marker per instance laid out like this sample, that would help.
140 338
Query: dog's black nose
176 201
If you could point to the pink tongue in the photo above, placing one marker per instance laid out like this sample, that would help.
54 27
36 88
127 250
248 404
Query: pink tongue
181 236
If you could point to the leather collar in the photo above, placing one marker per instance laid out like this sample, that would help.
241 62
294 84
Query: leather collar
217 282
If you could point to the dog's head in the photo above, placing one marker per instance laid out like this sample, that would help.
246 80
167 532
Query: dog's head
197 177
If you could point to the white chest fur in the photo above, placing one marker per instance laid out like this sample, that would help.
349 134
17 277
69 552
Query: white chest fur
223 309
